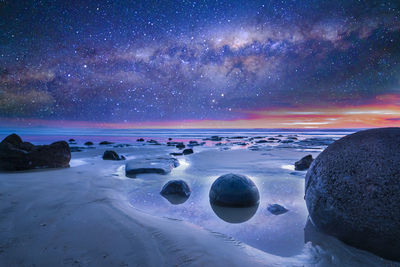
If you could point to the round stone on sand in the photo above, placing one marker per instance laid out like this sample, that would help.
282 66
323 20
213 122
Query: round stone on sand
352 191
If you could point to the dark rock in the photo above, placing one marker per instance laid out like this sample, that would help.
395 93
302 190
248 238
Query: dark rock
213 138
140 140
261 141
193 143
352 191
277 209
89 143
176 154
180 146
16 155
187 151
153 142
106 143
274 139
71 140
169 138
292 138
112 155
176 191
234 190
304 163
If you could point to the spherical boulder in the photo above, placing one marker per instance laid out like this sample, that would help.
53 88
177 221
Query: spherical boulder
352 191
234 190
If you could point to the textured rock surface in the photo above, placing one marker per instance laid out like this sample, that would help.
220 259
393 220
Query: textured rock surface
352 191
234 190
16 155
304 163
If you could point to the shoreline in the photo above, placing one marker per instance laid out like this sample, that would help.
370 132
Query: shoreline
81 216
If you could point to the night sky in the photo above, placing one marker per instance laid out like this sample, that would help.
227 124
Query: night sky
200 63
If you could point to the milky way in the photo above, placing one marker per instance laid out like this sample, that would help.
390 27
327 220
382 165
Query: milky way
158 61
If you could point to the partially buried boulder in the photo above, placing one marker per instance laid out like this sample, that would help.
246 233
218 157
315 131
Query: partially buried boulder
352 191
16 155
234 190
112 155
304 163
160 165
176 191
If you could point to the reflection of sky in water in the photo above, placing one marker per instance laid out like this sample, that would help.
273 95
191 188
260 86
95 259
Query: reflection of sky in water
281 235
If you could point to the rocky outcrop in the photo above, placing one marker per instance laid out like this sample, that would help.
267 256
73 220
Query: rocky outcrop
16 155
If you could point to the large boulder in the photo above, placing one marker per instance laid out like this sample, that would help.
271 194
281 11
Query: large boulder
234 190
176 191
352 191
16 155
304 163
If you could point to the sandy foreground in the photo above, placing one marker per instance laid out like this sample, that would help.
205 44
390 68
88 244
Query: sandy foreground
81 216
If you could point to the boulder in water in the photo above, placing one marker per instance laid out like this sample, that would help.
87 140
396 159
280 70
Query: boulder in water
234 190
176 191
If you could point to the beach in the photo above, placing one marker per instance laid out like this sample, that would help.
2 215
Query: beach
91 214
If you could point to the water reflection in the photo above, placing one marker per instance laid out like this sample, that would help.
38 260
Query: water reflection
234 214
175 199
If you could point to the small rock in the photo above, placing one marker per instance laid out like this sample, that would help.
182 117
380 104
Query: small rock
140 140
277 209
187 151
304 163
180 146
112 155
106 143
89 143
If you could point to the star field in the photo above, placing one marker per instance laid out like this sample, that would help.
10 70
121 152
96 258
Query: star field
158 61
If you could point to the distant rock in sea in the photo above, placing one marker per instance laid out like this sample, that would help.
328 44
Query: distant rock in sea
16 155
352 191
304 163
176 191
160 165
234 190
106 143
180 146
277 209
89 143
140 140
112 155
